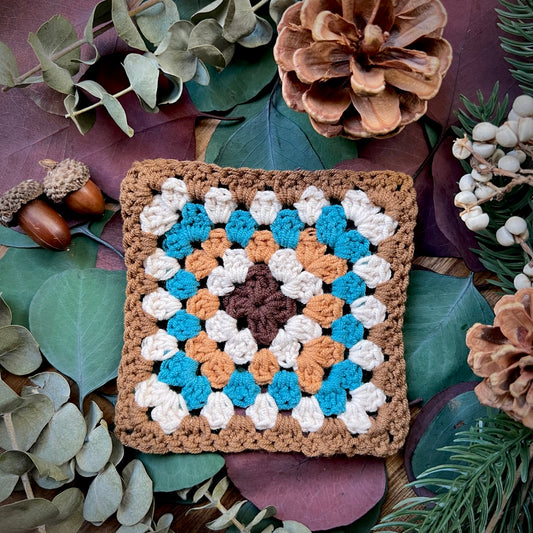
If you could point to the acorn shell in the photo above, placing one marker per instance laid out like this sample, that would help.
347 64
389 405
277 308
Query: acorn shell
16 197
64 177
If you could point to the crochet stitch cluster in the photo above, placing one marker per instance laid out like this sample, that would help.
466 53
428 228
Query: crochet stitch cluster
264 309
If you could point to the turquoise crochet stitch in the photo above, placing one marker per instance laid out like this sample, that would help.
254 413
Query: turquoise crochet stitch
178 371
331 224
346 374
240 227
348 287
331 398
347 330
286 228
285 390
242 389
352 246
184 325
195 222
176 242
196 392
183 285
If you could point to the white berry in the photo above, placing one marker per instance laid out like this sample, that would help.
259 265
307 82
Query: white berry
483 191
528 270
521 281
466 183
484 131
497 155
509 163
504 237
464 198
516 225
481 177
460 148
472 212
523 105
477 223
519 154
505 136
525 129
484 150
513 115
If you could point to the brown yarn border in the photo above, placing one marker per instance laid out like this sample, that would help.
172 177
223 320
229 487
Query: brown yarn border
389 190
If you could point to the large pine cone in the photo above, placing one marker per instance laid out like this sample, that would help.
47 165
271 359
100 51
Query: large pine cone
362 68
502 354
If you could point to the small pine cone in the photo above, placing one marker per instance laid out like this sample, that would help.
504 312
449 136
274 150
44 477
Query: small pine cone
503 355
362 68
64 177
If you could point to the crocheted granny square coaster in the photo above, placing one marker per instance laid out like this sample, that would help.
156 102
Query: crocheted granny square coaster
264 309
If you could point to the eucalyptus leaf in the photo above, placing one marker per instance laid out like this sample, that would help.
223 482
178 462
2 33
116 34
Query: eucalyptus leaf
51 384
16 239
220 488
19 462
84 121
8 66
248 514
27 514
155 21
28 420
117 450
8 482
269 141
63 437
175 92
295 527
93 416
5 313
173 472
88 307
439 311
104 496
143 76
165 521
267 512
54 76
19 353
55 35
70 518
240 20
222 522
276 8
213 10
125 26
47 482
138 494
111 103
207 43
261 35
9 400
100 14
95 451
137 528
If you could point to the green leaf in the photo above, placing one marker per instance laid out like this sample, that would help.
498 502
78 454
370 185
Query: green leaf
54 36
10 237
103 496
269 141
206 43
9 400
8 66
18 462
138 494
27 514
247 514
19 353
29 419
112 105
155 21
95 451
70 505
439 311
178 471
247 74
67 475
51 384
463 412
8 482
143 76
84 121
220 488
63 437
267 512
5 313
125 26
88 306
261 35
54 76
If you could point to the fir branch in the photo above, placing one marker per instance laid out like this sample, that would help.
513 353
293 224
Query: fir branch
517 21
489 492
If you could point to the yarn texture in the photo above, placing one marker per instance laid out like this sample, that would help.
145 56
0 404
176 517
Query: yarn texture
264 309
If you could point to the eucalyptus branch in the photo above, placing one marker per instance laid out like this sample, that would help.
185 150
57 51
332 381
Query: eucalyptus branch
10 428
239 525
259 5
80 42
98 104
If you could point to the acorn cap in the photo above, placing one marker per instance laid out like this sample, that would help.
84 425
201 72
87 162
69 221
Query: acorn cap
13 199
64 177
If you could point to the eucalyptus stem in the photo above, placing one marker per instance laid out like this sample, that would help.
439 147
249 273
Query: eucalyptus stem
260 4
80 42
98 104
239 525
10 428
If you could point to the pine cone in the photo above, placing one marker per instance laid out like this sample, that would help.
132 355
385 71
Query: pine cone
503 355
362 68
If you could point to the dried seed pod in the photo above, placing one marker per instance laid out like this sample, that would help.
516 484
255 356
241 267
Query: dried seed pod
525 129
484 131
461 149
509 163
464 198
504 237
22 205
472 212
467 183
69 181
516 225
478 222
506 136
485 150
523 105
521 281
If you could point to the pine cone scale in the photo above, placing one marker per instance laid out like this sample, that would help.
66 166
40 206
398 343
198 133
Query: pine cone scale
379 114
322 61
320 105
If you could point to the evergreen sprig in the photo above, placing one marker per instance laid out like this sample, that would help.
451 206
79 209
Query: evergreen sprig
517 21
491 490
506 263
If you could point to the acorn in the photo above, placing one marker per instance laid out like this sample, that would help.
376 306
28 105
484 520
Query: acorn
22 205
69 181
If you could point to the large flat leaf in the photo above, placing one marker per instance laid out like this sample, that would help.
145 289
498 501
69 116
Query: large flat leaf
83 336
270 141
25 515
70 505
180 471
138 494
104 495
439 311
321 493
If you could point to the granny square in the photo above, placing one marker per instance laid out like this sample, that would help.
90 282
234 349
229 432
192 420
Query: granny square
264 309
